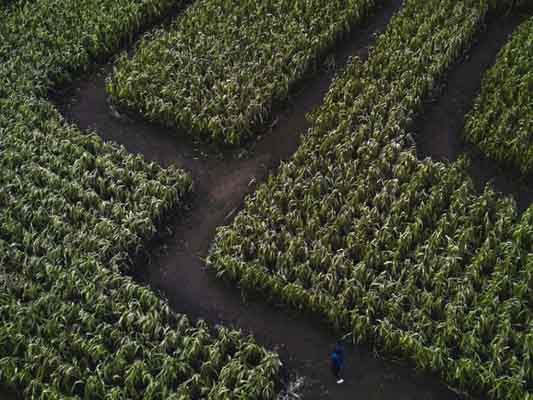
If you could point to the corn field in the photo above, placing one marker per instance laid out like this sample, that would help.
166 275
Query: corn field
392 251
50 42
501 122
222 66
395 252
74 211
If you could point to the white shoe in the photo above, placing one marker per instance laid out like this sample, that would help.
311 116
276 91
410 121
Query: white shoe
340 381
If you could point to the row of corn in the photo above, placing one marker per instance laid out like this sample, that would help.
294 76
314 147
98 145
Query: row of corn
73 213
217 72
501 122
390 250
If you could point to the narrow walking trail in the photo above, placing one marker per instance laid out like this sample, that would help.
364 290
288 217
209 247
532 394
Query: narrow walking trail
6 395
176 268
438 131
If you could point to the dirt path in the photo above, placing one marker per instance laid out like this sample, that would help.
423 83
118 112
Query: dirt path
438 132
178 272
5 395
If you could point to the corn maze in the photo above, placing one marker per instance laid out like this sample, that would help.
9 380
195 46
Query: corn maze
400 255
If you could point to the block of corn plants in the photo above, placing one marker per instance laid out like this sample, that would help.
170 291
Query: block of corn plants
501 121
217 72
46 42
395 252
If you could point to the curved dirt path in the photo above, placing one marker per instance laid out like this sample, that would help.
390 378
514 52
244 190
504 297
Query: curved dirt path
176 268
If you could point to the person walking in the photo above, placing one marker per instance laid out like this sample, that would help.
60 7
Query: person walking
337 358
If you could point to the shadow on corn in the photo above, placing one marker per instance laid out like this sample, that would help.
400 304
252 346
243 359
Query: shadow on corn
438 131
175 267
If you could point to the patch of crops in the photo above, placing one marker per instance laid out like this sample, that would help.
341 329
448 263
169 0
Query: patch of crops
392 251
47 42
217 72
501 122
73 212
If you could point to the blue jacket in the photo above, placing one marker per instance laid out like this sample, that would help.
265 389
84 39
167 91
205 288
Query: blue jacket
337 356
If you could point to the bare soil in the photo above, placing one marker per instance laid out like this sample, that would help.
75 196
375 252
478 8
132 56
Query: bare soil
8 395
175 267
